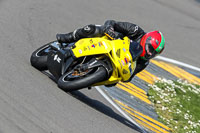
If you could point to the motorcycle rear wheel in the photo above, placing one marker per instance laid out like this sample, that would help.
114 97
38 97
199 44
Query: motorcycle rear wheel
96 76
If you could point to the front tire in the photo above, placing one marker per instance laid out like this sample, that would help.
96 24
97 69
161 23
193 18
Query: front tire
98 75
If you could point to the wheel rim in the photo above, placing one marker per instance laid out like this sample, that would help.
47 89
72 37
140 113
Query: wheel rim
75 75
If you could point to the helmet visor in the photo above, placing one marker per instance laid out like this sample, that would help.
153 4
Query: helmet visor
150 51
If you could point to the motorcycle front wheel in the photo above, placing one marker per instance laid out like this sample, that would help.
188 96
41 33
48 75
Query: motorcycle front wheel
70 82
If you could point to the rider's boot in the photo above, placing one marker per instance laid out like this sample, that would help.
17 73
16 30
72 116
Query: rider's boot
65 38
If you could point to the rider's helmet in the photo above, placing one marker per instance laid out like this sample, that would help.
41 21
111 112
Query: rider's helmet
153 43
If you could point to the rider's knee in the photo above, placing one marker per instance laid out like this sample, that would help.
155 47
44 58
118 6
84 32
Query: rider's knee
89 29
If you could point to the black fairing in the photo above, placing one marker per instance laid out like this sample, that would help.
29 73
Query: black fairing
135 50
57 63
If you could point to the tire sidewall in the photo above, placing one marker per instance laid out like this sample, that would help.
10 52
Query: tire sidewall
99 75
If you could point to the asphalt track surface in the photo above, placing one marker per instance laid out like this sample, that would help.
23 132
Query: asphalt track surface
31 103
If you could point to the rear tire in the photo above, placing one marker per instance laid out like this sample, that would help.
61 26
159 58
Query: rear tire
39 58
99 75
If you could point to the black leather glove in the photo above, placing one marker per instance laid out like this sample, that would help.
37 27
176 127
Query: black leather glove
109 31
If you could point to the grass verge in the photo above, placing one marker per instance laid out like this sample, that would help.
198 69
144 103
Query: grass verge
178 104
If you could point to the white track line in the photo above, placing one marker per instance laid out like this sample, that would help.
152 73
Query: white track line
178 63
118 108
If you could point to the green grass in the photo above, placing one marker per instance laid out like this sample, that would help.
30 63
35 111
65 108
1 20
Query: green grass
178 104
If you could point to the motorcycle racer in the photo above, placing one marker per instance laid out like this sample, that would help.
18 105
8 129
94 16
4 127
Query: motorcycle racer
151 43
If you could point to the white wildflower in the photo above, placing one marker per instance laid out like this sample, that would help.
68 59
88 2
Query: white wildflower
158 102
166 100
186 116
161 96
195 91
178 111
173 94
168 122
190 122
164 108
183 90
156 88
194 125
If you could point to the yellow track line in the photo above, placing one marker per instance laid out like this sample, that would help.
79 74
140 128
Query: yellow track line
142 76
190 77
176 71
146 117
158 126
146 123
134 93
134 88
147 76
147 126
